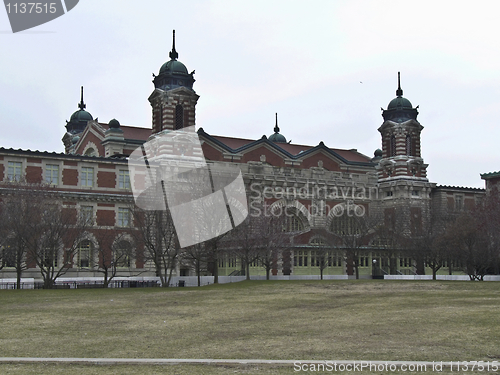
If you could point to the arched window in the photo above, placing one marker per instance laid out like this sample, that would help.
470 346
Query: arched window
179 117
393 145
90 152
294 224
318 241
408 144
85 254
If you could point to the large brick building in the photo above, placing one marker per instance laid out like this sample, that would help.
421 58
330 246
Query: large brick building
314 183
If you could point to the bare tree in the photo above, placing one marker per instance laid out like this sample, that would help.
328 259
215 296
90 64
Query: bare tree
431 244
36 230
54 240
156 231
487 214
390 237
114 253
243 242
197 257
16 215
472 245
353 229
321 254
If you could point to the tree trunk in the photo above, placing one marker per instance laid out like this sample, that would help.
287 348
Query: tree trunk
216 271
106 281
18 282
247 266
198 271
268 270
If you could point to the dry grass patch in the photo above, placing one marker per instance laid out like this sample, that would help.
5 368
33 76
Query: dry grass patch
355 320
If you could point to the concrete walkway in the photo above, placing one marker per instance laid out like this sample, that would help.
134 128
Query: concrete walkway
179 361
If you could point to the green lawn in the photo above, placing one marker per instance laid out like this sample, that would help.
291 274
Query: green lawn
321 320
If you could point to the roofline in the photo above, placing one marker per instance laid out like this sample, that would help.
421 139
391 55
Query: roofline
264 140
489 175
11 151
459 188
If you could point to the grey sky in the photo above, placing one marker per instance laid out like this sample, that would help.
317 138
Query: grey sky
326 67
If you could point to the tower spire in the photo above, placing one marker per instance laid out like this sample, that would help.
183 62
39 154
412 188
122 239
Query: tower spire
276 127
82 105
399 92
173 54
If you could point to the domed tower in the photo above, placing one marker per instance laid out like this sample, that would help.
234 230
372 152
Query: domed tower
75 126
400 132
404 190
173 101
277 137
78 120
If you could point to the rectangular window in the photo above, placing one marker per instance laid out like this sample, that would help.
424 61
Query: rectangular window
52 174
14 170
124 179
50 258
300 259
459 202
123 217
8 256
87 176
87 214
363 261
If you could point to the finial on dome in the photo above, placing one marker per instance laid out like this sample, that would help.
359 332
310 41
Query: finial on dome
276 127
399 92
82 105
173 54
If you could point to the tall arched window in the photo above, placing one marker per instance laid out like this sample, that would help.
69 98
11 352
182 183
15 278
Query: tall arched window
85 254
393 145
408 144
179 117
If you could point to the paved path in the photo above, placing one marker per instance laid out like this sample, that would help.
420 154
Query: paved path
177 361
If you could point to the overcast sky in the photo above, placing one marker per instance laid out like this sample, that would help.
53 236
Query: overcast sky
326 67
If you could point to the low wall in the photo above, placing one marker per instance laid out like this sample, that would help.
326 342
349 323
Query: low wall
124 282
439 277
10 283
206 280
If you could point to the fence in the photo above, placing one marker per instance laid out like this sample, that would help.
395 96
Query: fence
190 281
